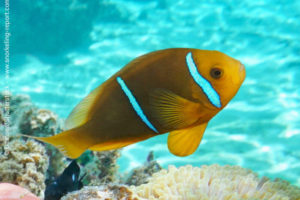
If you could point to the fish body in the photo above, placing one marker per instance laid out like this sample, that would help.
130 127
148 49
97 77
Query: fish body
173 90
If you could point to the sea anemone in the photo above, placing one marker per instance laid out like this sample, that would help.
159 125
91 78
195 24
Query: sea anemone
214 183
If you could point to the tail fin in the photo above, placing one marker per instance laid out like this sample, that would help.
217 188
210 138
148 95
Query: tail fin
71 143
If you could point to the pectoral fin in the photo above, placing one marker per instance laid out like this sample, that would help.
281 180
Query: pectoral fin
185 142
172 110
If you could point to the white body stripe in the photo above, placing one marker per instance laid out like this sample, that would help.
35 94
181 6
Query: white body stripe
137 108
204 84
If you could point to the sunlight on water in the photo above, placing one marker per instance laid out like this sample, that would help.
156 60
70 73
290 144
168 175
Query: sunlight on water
259 129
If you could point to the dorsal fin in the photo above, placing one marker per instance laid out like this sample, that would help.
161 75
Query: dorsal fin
79 114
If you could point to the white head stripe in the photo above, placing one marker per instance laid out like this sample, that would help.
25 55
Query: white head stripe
204 84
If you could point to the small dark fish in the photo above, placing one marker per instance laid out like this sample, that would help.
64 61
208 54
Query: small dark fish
67 182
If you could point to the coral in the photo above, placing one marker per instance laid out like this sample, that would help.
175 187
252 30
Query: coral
19 105
57 162
141 175
103 169
2 121
13 192
110 192
28 119
190 183
213 183
2 140
24 164
39 121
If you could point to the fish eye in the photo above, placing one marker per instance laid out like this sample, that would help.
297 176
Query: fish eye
216 73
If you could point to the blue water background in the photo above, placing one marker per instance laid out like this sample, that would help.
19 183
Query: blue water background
259 129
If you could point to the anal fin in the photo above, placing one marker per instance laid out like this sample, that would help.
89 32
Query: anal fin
116 144
186 141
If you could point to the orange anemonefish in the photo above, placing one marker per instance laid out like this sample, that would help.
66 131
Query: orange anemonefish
173 90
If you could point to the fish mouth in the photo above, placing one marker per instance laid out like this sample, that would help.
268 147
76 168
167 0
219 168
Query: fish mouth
241 75
242 72
242 67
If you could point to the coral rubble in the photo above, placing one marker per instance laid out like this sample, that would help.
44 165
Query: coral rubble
26 118
2 121
24 164
19 104
141 174
213 183
103 169
2 142
110 192
39 122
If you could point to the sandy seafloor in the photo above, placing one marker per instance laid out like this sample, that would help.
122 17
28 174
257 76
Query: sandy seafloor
259 129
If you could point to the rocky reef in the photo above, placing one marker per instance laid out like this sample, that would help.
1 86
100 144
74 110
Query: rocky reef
141 174
28 163
212 182
25 164
103 168
39 122
105 192
26 118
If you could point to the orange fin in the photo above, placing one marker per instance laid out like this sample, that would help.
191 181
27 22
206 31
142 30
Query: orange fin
79 114
116 144
185 142
71 142
109 146
173 111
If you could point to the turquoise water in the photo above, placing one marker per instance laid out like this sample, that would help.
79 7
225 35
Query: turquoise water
259 129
